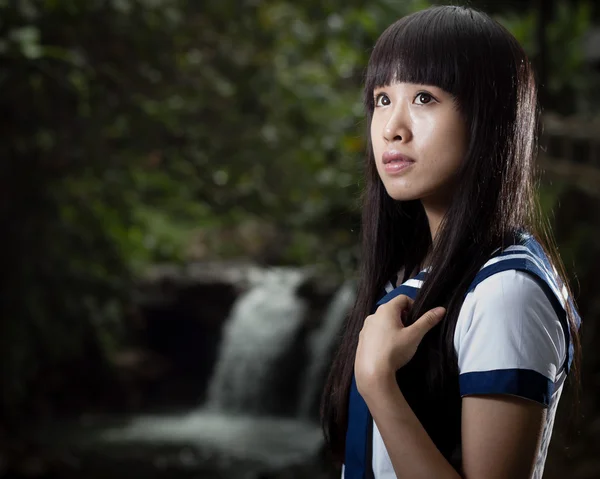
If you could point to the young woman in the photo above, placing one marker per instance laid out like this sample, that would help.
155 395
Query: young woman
453 360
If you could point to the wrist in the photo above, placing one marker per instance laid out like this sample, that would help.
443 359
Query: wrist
380 384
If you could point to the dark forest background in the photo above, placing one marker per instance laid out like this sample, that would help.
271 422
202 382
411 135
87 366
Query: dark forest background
137 133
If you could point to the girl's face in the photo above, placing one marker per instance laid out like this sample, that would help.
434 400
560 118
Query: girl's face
419 140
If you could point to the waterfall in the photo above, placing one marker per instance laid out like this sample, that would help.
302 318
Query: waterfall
321 346
258 336
263 340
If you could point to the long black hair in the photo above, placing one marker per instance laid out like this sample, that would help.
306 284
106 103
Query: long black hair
475 59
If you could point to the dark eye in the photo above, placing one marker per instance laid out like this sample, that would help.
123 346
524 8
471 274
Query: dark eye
382 100
423 98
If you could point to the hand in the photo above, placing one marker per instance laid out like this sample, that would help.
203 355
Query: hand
385 344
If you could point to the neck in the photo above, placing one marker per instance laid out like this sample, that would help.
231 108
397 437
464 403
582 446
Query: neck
436 206
435 213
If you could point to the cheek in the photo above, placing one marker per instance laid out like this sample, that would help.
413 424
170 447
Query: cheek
456 146
373 132
377 142
445 144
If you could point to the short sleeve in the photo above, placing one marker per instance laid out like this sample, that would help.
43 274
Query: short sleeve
509 339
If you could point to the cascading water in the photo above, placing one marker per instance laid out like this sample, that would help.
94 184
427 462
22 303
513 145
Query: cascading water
260 340
321 347
258 336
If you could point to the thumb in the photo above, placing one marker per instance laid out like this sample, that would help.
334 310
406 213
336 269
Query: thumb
426 322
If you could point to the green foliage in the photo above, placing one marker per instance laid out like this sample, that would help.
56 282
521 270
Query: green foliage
285 145
76 92
144 131
140 131
571 85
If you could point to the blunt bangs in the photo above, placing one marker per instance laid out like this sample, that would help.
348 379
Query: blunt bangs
432 47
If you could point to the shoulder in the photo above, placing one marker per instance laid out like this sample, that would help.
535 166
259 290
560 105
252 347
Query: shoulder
510 295
509 329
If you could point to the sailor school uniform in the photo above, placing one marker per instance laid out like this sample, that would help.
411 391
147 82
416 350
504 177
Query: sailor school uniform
512 337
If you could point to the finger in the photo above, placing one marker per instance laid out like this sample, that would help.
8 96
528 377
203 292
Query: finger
400 302
426 322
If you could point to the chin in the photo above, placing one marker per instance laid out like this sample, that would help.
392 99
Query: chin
402 195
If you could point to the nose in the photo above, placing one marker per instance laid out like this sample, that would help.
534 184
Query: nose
398 126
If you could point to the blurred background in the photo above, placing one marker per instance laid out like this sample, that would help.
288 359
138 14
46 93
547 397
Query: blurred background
179 205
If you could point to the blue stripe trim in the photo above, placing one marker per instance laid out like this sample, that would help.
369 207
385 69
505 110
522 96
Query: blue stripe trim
421 276
402 289
578 325
536 249
409 291
523 264
541 277
359 417
524 383
356 435
530 242
520 382
546 271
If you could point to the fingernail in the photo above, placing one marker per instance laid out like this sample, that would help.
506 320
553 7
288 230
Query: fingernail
439 311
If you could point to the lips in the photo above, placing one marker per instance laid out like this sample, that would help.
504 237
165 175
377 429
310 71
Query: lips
394 156
395 163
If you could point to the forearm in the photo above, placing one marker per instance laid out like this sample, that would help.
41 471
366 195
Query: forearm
411 450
